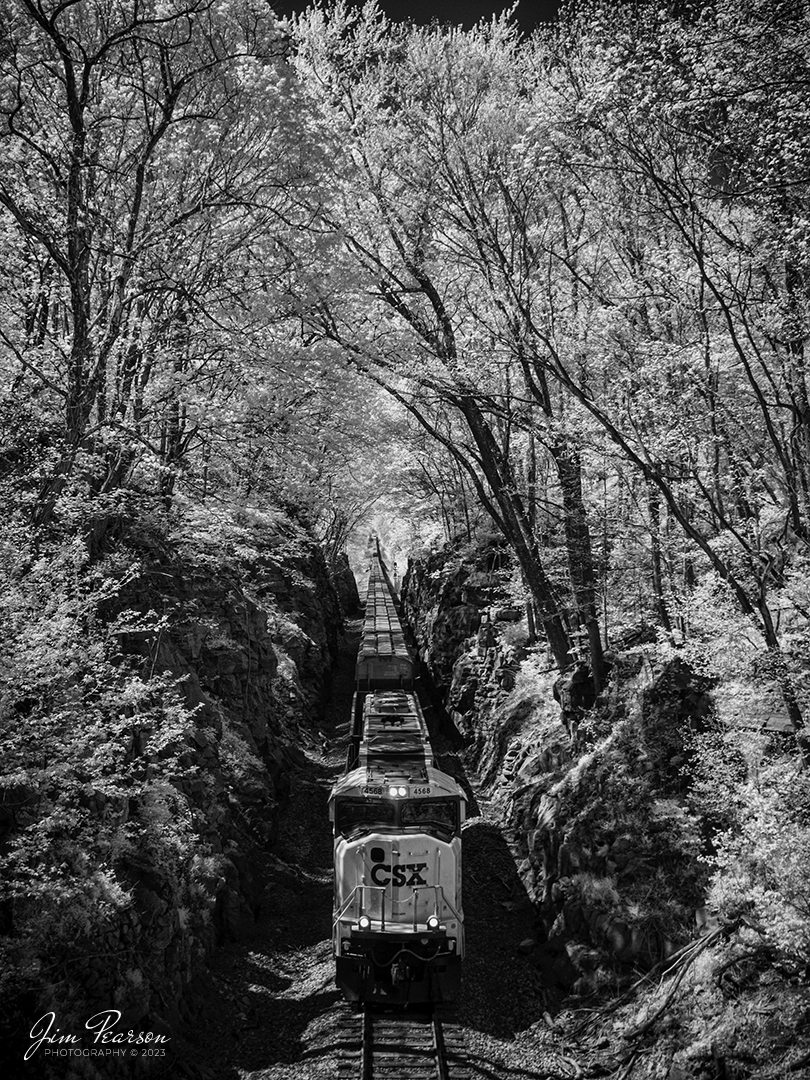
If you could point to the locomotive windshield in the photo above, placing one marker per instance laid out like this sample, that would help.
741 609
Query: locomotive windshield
357 815
441 814
354 814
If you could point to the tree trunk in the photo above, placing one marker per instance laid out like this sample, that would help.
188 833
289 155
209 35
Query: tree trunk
531 482
654 506
515 523
580 551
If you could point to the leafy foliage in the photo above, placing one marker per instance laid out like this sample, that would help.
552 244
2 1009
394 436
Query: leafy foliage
763 860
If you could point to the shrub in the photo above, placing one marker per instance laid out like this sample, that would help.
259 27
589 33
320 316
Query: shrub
763 864
715 770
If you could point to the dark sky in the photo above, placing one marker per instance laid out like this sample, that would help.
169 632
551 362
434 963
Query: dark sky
460 12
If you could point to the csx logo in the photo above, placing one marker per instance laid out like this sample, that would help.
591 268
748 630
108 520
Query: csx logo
401 875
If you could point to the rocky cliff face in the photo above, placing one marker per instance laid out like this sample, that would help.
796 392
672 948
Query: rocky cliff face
345 585
590 791
225 632
252 636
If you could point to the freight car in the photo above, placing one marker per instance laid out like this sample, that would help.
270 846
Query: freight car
384 660
398 925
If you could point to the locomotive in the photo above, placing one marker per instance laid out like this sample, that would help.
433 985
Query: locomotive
398 924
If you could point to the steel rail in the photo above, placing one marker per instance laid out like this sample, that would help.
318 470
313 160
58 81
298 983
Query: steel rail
367 1056
442 1069
404 1046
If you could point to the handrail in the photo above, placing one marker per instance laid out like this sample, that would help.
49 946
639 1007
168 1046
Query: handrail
441 905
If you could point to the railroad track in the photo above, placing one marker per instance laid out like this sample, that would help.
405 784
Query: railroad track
388 1044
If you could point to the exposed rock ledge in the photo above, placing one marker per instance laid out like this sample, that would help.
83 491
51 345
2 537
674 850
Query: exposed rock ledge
590 798
242 615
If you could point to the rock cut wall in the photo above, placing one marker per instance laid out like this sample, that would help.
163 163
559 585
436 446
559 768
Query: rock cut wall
221 635
252 635
589 791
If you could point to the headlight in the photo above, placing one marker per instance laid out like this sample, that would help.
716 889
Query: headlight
397 792
433 922
364 922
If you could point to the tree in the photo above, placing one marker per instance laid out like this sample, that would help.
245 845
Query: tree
409 321
546 240
680 294
142 169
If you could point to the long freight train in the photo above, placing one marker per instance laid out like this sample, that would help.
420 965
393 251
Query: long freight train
398 927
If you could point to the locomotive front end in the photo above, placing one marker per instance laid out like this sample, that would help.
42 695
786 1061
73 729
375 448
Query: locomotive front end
398 925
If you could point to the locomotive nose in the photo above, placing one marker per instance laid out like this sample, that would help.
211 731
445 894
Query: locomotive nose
378 863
